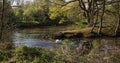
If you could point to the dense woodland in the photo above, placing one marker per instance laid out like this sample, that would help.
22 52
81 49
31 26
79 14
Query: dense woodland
101 17
89 13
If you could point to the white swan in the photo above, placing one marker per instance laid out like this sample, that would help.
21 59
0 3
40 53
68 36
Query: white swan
58 41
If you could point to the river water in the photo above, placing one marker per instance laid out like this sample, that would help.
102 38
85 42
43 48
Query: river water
35 37
39 37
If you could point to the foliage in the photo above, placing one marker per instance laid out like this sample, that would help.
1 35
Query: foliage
32 54
28 54
46 13
5 55
66 53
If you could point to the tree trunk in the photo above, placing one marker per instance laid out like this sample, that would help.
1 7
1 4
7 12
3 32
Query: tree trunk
101 17
89 19
2 20
100 28
88 10
118 24
95 23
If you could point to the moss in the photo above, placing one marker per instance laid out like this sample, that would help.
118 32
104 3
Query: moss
85 32
74 33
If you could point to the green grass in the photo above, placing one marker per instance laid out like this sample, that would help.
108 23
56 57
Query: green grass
63 54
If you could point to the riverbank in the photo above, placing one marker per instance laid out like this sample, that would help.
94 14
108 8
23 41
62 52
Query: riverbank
85 33
23 54
61 32
94 50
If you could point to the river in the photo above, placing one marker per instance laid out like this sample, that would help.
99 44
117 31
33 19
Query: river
38 37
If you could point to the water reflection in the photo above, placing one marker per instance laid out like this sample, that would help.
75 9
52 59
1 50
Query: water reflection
101 46
30 40
97 50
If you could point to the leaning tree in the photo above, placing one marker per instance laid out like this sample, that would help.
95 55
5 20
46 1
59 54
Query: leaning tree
117 8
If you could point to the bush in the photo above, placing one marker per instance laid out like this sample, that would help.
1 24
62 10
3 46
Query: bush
33 54
5 55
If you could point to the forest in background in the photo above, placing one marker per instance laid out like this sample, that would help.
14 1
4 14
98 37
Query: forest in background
97 14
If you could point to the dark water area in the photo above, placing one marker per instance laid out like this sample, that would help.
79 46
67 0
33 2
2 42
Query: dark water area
37 37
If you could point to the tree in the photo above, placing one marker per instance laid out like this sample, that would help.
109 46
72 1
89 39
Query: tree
92 9
89 8
73 13
103 2
117 8
2 19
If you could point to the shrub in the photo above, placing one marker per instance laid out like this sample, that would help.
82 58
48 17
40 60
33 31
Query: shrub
33 54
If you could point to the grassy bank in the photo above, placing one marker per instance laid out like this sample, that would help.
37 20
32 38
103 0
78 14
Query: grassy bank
63 54
25 54
85 32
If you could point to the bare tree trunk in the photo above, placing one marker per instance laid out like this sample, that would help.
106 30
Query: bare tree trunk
90 20
118 24
101 17
2 20
95 23
87 7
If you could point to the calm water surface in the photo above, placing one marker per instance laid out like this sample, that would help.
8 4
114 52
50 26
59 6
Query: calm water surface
39 37
36 37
